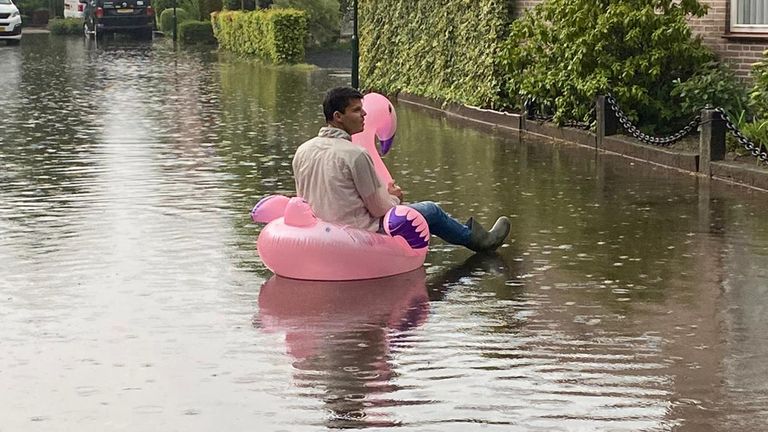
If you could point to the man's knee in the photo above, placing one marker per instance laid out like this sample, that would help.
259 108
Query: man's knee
428 209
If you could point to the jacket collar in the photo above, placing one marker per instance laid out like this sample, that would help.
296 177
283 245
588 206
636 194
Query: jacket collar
332 132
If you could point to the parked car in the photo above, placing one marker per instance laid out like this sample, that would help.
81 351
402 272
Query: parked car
10 22
73 9
107 17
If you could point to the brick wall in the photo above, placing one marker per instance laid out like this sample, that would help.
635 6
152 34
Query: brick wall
740 53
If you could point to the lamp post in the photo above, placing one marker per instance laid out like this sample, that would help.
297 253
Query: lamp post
355 49
174 20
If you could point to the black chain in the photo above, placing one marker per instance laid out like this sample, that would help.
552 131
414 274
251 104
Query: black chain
757 150
635 132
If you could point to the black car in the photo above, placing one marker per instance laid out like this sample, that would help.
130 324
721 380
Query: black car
107 17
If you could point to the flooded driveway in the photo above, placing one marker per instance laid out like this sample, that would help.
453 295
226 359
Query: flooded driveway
629 297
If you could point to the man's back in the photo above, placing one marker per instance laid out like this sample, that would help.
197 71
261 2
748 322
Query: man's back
334 175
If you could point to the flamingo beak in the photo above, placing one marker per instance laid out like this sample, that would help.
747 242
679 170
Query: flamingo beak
386 145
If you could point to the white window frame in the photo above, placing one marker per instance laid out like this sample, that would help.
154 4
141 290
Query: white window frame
744 28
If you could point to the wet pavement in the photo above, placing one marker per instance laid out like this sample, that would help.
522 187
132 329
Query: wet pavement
629 297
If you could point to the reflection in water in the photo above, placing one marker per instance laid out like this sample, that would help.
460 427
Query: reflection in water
339 334
629 297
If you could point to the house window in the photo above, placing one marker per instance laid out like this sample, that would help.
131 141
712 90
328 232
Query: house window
749 16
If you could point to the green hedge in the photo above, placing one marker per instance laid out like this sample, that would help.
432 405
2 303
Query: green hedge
562 53
196 32
447 49
274 34
66 26
191 7
323 19
166 19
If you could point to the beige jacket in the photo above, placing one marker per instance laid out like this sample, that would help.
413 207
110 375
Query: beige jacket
339 182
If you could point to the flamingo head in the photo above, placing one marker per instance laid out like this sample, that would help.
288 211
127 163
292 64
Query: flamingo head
381 117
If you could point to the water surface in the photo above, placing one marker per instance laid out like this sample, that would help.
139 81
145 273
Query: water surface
628 298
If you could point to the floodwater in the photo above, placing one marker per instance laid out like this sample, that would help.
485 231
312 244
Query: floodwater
629 297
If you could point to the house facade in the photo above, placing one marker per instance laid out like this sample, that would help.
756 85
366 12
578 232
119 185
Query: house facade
737 30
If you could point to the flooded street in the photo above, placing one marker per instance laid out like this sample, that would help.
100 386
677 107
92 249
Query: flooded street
629 297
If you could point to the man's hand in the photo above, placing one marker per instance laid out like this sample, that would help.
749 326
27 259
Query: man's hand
395 190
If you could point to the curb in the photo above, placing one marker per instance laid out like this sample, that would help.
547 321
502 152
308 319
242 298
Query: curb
518 125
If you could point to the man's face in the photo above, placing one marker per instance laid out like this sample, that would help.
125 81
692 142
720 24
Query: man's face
352 119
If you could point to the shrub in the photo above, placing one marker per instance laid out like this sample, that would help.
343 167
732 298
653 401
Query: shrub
756 130
323 19
240 5
196 32
714 84
191 7
66 26
758 96
27 7
274 34
562 53
450 52
166 19
207 7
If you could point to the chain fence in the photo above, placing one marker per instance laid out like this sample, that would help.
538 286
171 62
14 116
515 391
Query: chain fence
754 149
757 150
648 139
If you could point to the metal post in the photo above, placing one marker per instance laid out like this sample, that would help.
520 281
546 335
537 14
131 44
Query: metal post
174 20
711 140
607 123
355 49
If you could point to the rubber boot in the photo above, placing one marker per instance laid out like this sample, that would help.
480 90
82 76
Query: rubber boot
481 240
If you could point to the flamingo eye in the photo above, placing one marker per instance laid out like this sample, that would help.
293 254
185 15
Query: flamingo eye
390 109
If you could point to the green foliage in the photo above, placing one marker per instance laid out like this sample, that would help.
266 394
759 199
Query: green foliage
192 8
166 19
758 96
715 85
26 7
66 26
756 130
562 53
207 7
276 35
448 50
196 32
323 17
240 4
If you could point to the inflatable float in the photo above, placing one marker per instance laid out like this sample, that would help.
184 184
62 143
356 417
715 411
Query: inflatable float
296 244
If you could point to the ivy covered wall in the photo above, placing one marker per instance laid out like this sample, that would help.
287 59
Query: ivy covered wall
444 49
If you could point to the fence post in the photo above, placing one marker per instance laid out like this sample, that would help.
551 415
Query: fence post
711 140
607 123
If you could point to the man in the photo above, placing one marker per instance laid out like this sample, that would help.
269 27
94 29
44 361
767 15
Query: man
338 180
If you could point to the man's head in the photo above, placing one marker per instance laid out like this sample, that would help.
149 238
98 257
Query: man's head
343 108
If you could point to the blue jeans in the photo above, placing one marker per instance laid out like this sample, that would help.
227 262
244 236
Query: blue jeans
441 223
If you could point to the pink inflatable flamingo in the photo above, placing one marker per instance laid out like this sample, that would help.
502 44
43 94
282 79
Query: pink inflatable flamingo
381 123
296 244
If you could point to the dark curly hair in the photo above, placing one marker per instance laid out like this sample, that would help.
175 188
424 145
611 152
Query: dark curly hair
338 99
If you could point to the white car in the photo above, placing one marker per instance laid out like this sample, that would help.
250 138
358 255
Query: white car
10 22
73 8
